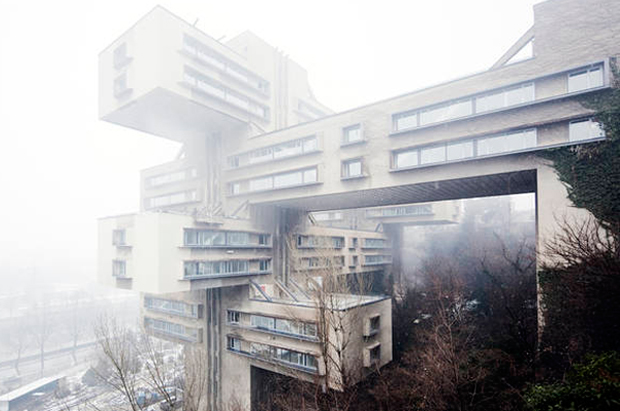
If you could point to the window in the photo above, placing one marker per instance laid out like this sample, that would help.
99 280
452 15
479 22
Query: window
514 141
337 242
198 269
435 154
284 180
258 184
375 354
446 112
264 265
120 85
120 56
235 188
283 150
207 55
263 239
404 121
119 268
233 317
354 242
234 344
352 168
352 134
260 321
237 238
375 324
584 130
172 307
289 179
354 261
377 259
172 329
507 97
375 243
585 79
407 158
460 150
118 237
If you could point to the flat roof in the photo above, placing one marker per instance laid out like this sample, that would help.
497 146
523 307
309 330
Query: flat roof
28 388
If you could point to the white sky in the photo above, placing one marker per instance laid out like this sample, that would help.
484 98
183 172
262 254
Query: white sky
61 168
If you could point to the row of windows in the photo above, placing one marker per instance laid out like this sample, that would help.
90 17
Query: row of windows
311 241
171 307
289 149
207 55
172 329
377 259
463 149
216 89
495 100
276 181
328 216
411 210
579 80
299 328
172 199
322 262
375 243
212 238
283 355
200 269
172 177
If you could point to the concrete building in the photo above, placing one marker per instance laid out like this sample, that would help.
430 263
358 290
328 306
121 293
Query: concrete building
223 246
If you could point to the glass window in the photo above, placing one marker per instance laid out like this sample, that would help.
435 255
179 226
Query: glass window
310 145
119 268
406 158
264 265
233 317
289 179
264 183
234 344
375 323
433 155
289 149
120 55
446 112
584 130
118 237
406 120
585 79
261 155
120 84
310 176
460 150
352 168
352 134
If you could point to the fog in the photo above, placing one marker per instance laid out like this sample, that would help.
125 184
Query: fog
61 168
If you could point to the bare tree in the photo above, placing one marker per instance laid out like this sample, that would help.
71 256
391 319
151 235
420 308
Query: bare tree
195 378
18 339
119 366
43 327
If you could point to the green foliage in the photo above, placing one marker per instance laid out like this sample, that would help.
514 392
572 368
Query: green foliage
591 172
591 386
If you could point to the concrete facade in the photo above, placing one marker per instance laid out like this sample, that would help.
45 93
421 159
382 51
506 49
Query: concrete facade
239 236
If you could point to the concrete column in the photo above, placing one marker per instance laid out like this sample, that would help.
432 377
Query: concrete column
552 208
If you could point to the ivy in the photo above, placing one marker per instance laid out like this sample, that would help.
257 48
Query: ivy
591 172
